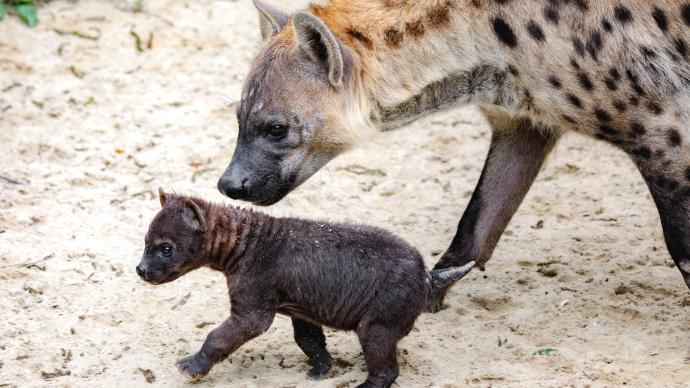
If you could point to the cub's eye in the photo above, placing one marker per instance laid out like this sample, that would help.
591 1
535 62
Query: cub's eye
277 131
166 250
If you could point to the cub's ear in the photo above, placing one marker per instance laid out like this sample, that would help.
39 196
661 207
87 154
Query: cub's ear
193 215
271 20
319 43
162 196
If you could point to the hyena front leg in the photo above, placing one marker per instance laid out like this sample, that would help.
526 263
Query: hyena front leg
518 150
666 170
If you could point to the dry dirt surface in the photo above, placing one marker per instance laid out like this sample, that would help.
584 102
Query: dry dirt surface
92 123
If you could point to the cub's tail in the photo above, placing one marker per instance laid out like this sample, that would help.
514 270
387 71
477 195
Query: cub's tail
441 281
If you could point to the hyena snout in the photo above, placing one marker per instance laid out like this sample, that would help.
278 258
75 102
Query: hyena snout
233 186
257 182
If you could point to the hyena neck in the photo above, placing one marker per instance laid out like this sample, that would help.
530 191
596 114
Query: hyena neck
416 58
231 236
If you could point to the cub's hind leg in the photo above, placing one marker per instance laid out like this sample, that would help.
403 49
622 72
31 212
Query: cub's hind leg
311 340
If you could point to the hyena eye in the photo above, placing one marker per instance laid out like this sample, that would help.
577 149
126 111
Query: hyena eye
166 250
277 131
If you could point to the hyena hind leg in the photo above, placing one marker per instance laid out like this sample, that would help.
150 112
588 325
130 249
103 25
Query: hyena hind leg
667 175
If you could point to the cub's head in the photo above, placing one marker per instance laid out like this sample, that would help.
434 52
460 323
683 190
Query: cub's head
299 109
174 241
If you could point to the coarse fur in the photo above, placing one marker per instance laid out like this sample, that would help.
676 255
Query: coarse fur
348 277
618 71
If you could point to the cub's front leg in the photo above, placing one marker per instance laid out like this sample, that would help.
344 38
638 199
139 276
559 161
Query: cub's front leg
224 340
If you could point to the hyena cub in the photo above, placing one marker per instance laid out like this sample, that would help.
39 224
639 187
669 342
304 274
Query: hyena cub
348 277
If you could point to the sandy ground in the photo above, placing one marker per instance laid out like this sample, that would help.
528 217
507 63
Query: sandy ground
90 127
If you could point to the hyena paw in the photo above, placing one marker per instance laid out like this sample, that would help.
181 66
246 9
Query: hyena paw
195 366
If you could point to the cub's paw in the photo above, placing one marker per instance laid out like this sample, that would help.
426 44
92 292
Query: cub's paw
195 366
319 372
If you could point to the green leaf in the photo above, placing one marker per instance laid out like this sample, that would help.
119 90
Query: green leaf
2 10
544 352
27 12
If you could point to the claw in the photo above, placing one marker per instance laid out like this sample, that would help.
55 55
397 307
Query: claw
442 277
441 280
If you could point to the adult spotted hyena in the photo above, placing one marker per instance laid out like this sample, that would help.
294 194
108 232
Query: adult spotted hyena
615 70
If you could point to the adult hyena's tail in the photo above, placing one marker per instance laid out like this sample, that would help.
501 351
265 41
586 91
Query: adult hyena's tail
441 281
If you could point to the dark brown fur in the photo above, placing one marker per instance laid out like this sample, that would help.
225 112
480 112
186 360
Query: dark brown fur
348 277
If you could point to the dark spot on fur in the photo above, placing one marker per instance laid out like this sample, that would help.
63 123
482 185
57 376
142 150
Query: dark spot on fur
393 37
551 15
687 173
359 36
439 16
647 52
574 64
512 70
620 106
415 28
660 18
574 100
614 74
634 101
585 81
602 115
555 82
608 130
594 44
643 152
623 14
581 4
535 31
685 12
610 84
680 46
655 108
673 138
505 33
633 82
638 129
607 25
569 119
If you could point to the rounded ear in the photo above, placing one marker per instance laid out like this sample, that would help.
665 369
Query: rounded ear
162 196
319 43
271 20
196 218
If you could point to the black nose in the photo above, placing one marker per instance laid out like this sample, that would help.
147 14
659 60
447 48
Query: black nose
233 187
140 272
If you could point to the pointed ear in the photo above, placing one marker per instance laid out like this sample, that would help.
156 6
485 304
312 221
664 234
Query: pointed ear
194 215
271 20
162 196
319 43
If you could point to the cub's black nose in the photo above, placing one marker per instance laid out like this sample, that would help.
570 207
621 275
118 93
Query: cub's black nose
140 272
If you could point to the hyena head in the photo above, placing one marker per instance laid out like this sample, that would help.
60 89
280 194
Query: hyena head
298 110
174 241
